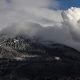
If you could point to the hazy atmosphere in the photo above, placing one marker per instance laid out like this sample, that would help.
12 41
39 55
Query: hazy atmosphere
46 19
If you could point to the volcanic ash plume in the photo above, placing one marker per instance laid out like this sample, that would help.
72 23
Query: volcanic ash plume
35 18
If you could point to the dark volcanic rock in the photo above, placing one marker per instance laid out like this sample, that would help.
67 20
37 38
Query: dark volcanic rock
37 59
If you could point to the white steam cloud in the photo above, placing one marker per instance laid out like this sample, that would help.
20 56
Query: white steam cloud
36 19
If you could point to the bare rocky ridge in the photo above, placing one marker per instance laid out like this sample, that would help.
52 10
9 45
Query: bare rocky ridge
24 57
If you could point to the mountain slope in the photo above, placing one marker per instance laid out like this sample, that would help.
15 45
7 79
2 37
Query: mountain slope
26 57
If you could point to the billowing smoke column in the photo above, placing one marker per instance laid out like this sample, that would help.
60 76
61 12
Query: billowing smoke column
71 17
34 18
71 20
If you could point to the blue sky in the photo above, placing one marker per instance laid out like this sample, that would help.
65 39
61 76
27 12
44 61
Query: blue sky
65 4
